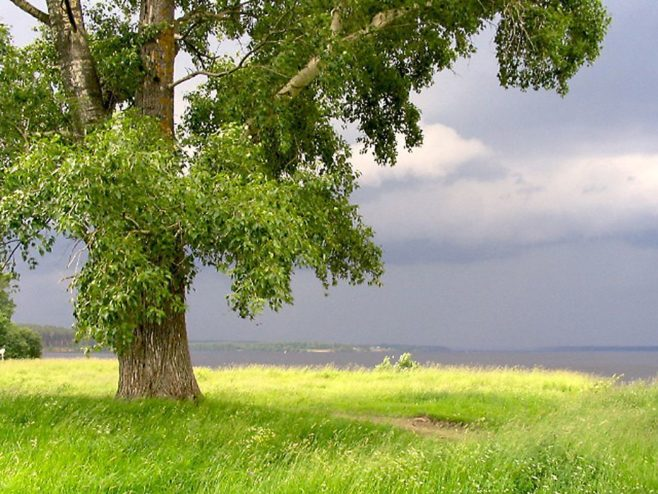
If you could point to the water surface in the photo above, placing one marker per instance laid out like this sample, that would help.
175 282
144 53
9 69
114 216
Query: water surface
625 364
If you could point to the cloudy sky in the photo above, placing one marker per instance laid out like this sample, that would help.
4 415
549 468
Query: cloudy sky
525 220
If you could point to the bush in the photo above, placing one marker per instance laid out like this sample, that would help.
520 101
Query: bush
385 364
21 342
17 341
405 362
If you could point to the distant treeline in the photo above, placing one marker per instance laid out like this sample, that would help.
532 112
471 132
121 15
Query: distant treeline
55 338
60 339
637 348
270 347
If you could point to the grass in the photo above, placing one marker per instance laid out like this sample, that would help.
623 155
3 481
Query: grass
271 430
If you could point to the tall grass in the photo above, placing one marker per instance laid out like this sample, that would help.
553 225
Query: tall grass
270 429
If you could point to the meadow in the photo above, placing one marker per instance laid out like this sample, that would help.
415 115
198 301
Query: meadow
312 430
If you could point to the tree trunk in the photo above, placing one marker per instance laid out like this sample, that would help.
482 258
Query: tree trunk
156 95
158 363
76 63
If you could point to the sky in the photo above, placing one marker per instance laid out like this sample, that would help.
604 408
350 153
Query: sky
525 220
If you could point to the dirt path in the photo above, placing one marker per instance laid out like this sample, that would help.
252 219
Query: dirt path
423 425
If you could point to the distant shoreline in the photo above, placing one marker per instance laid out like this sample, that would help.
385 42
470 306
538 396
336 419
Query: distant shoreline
618 365
61 340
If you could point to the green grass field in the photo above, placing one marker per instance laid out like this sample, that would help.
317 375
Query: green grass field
270 430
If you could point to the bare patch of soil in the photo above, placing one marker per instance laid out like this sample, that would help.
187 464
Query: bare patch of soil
423 425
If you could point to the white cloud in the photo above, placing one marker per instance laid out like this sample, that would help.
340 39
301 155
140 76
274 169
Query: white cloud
582 197
442 152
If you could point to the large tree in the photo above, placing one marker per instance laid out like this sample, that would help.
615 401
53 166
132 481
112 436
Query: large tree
255 178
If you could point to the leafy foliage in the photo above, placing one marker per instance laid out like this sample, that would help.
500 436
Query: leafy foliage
21 342
543 44
254 228
17 341
115 44
31 97
368 74
55 338
405 362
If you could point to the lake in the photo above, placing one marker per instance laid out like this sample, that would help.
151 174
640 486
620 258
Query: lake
626 364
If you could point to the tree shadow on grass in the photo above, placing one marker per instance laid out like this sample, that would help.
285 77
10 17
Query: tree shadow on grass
53 443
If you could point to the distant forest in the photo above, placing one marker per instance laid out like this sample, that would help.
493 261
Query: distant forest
55 338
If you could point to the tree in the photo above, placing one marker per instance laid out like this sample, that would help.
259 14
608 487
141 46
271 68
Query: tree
18 342
255 180
21 342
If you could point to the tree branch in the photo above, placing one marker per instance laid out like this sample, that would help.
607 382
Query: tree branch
224 73
336 21
203 13
27 7
241 63
312 69
301 79
9 259
379 21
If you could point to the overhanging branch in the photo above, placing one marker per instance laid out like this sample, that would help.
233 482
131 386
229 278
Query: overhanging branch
312 69
27 7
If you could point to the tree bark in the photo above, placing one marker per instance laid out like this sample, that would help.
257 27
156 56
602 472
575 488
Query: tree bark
76 63
27 7
158 362
155 98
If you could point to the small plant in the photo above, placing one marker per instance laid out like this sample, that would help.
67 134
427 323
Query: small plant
385 364
405 362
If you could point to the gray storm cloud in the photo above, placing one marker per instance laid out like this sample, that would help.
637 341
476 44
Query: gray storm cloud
553 199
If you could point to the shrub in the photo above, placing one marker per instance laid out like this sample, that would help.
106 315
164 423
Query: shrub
17 341
20 342
405 362
385 364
